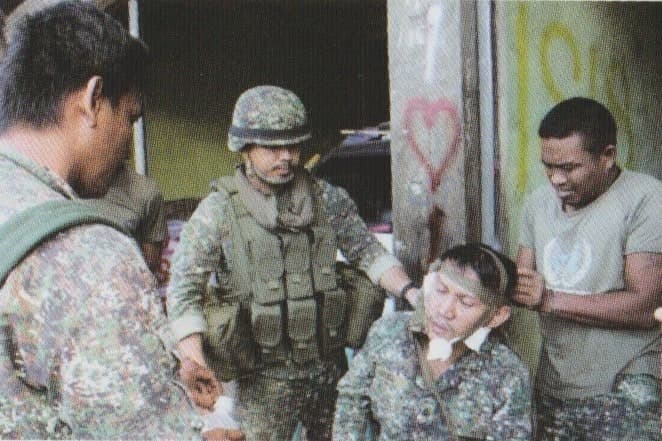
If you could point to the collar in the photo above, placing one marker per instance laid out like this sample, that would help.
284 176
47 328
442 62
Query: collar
292 208
43 174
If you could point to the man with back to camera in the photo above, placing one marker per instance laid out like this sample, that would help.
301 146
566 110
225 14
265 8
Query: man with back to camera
590 262
270 234
82 356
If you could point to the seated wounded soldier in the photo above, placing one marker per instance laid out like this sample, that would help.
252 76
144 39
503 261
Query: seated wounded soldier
442 372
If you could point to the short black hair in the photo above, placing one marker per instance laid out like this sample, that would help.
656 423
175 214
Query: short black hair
582 116
475 256
55 51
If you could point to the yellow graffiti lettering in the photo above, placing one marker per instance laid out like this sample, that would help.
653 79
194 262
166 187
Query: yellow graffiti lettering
593 70
558 31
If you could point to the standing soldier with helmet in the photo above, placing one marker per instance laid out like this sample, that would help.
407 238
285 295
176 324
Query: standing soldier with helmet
277 319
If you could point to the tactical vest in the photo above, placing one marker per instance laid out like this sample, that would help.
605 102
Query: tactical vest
280 302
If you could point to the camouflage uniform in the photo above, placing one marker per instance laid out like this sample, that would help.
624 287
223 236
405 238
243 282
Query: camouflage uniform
629 413
487 395
83 357
305 392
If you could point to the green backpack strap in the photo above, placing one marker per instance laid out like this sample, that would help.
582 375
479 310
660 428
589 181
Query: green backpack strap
24 231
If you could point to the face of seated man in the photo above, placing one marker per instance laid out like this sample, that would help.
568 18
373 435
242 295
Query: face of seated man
452 312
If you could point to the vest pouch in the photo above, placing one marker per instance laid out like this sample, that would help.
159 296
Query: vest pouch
324 257
268 291
268 268
365 303
299 285
301 328
267 323
228 342
334 310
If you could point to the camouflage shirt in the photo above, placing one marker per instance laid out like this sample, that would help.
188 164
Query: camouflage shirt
204 243
487 395
82 356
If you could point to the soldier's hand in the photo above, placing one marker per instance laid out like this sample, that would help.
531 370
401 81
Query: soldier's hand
200 382
530 290
658 314
223 435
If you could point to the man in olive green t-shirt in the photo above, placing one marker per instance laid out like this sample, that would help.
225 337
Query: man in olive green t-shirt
137 203
590 261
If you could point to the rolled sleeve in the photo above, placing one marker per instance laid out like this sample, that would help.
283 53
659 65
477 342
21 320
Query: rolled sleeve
186 325
380 265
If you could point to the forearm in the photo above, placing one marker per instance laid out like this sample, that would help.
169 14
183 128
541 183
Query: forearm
191 347
616 309
395 279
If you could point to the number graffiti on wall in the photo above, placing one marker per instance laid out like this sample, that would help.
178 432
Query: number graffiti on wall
601 71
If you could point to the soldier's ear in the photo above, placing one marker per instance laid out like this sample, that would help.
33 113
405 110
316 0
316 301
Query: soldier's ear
91 100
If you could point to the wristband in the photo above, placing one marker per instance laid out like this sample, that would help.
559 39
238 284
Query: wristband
406 288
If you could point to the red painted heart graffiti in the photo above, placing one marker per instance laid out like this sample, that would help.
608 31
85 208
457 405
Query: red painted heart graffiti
430 111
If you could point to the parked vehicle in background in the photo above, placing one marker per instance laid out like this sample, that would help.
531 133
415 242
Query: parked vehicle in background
361 164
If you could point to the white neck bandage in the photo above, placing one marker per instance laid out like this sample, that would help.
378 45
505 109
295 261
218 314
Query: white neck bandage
441 348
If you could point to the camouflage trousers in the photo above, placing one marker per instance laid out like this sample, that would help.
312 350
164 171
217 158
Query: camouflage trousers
269 408
630 412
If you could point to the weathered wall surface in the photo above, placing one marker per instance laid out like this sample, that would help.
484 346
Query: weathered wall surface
205 54
549 51
426 128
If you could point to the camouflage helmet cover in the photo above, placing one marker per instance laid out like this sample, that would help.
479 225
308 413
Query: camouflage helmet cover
268 115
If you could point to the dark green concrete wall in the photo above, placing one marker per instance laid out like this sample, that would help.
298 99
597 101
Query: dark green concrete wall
333 57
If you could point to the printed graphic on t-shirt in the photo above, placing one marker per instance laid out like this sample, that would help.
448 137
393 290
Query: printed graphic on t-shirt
566 263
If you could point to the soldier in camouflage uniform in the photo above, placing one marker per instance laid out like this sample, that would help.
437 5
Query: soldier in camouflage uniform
83 342
436 373
270 236
590 262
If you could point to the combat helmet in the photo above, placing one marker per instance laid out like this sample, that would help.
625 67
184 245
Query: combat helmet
268 115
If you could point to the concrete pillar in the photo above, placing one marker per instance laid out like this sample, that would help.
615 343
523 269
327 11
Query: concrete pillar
429 145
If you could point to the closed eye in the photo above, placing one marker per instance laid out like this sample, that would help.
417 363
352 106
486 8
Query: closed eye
468 301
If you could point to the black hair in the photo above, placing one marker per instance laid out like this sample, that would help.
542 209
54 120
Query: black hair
54 52
582 116
475 256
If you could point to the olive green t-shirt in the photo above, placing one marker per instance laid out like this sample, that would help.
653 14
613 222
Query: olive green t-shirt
136 202
581 253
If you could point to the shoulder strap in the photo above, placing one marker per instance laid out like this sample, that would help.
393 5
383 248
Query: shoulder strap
227 186
224 183
27 229
429 382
